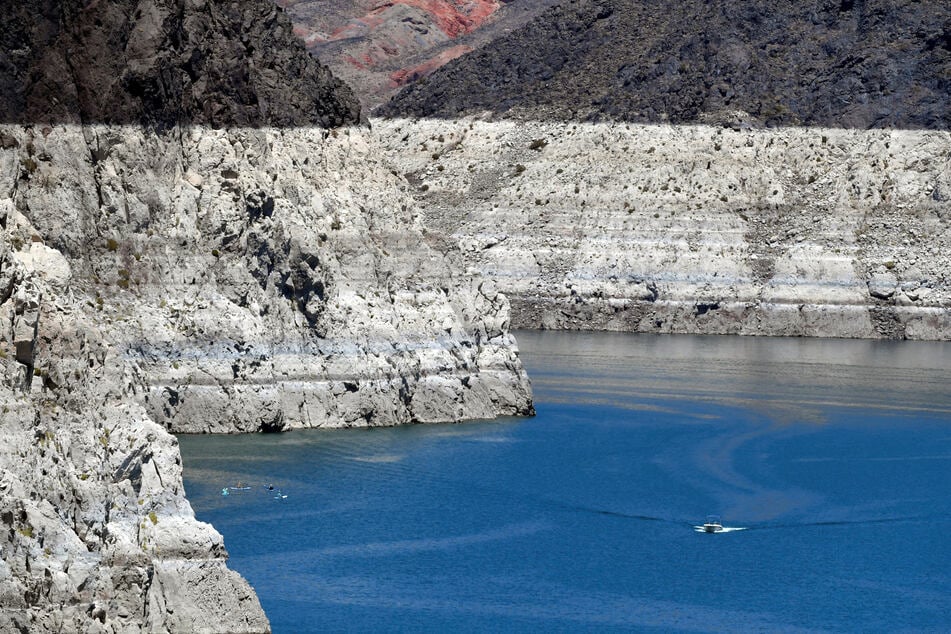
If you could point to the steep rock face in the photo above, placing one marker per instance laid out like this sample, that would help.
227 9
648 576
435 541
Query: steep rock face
172 258
254 287
857 64
697 229
98 535
163 63
378 47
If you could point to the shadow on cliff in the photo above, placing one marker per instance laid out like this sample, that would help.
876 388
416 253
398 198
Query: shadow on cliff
162 63
833 63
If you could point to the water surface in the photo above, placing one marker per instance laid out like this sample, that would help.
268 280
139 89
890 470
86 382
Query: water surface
834 456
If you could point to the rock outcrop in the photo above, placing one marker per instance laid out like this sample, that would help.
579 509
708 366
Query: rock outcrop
834 63
693 229
254 287
695 205
190 242
378 47
163 63
97 533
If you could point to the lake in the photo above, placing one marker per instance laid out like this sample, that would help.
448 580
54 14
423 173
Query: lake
833 456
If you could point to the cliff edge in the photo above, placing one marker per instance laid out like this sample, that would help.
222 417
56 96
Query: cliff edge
195 240
708 229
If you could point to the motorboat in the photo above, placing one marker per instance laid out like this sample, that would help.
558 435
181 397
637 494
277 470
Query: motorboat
712 524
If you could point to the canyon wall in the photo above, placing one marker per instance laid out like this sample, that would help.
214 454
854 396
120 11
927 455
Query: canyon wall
775 168
198 234
693 229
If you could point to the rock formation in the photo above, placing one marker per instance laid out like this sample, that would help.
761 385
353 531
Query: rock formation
163 63
746 175
833 63
693 229
192 243
378 47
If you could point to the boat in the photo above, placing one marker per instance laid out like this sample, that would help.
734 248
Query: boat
712 524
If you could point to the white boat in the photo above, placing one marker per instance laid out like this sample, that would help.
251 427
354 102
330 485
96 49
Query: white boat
712 524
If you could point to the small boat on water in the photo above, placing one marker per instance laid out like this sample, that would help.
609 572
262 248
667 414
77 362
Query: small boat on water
712 524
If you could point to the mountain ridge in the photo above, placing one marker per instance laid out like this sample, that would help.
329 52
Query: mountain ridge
861 64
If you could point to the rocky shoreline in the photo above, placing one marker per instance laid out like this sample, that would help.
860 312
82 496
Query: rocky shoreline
719 229
197 234
200 233
232 280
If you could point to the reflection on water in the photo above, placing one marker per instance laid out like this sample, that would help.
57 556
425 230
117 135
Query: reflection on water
833 457
787 379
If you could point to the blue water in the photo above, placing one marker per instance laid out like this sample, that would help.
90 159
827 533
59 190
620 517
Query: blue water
835 456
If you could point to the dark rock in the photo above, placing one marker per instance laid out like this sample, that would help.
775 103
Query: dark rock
162 63
856 64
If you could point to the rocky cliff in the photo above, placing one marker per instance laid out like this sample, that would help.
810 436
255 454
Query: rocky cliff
834 63
776 168
699 229
163 63
191 242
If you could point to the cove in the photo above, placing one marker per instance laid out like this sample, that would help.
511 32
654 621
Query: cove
833 455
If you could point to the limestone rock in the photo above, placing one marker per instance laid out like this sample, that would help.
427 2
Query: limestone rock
49 263
26 317
275 295
882 285
186 245
94 515
692 229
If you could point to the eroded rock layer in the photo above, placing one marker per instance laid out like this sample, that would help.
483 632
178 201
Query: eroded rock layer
212 281
253 287
696 229
190 242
